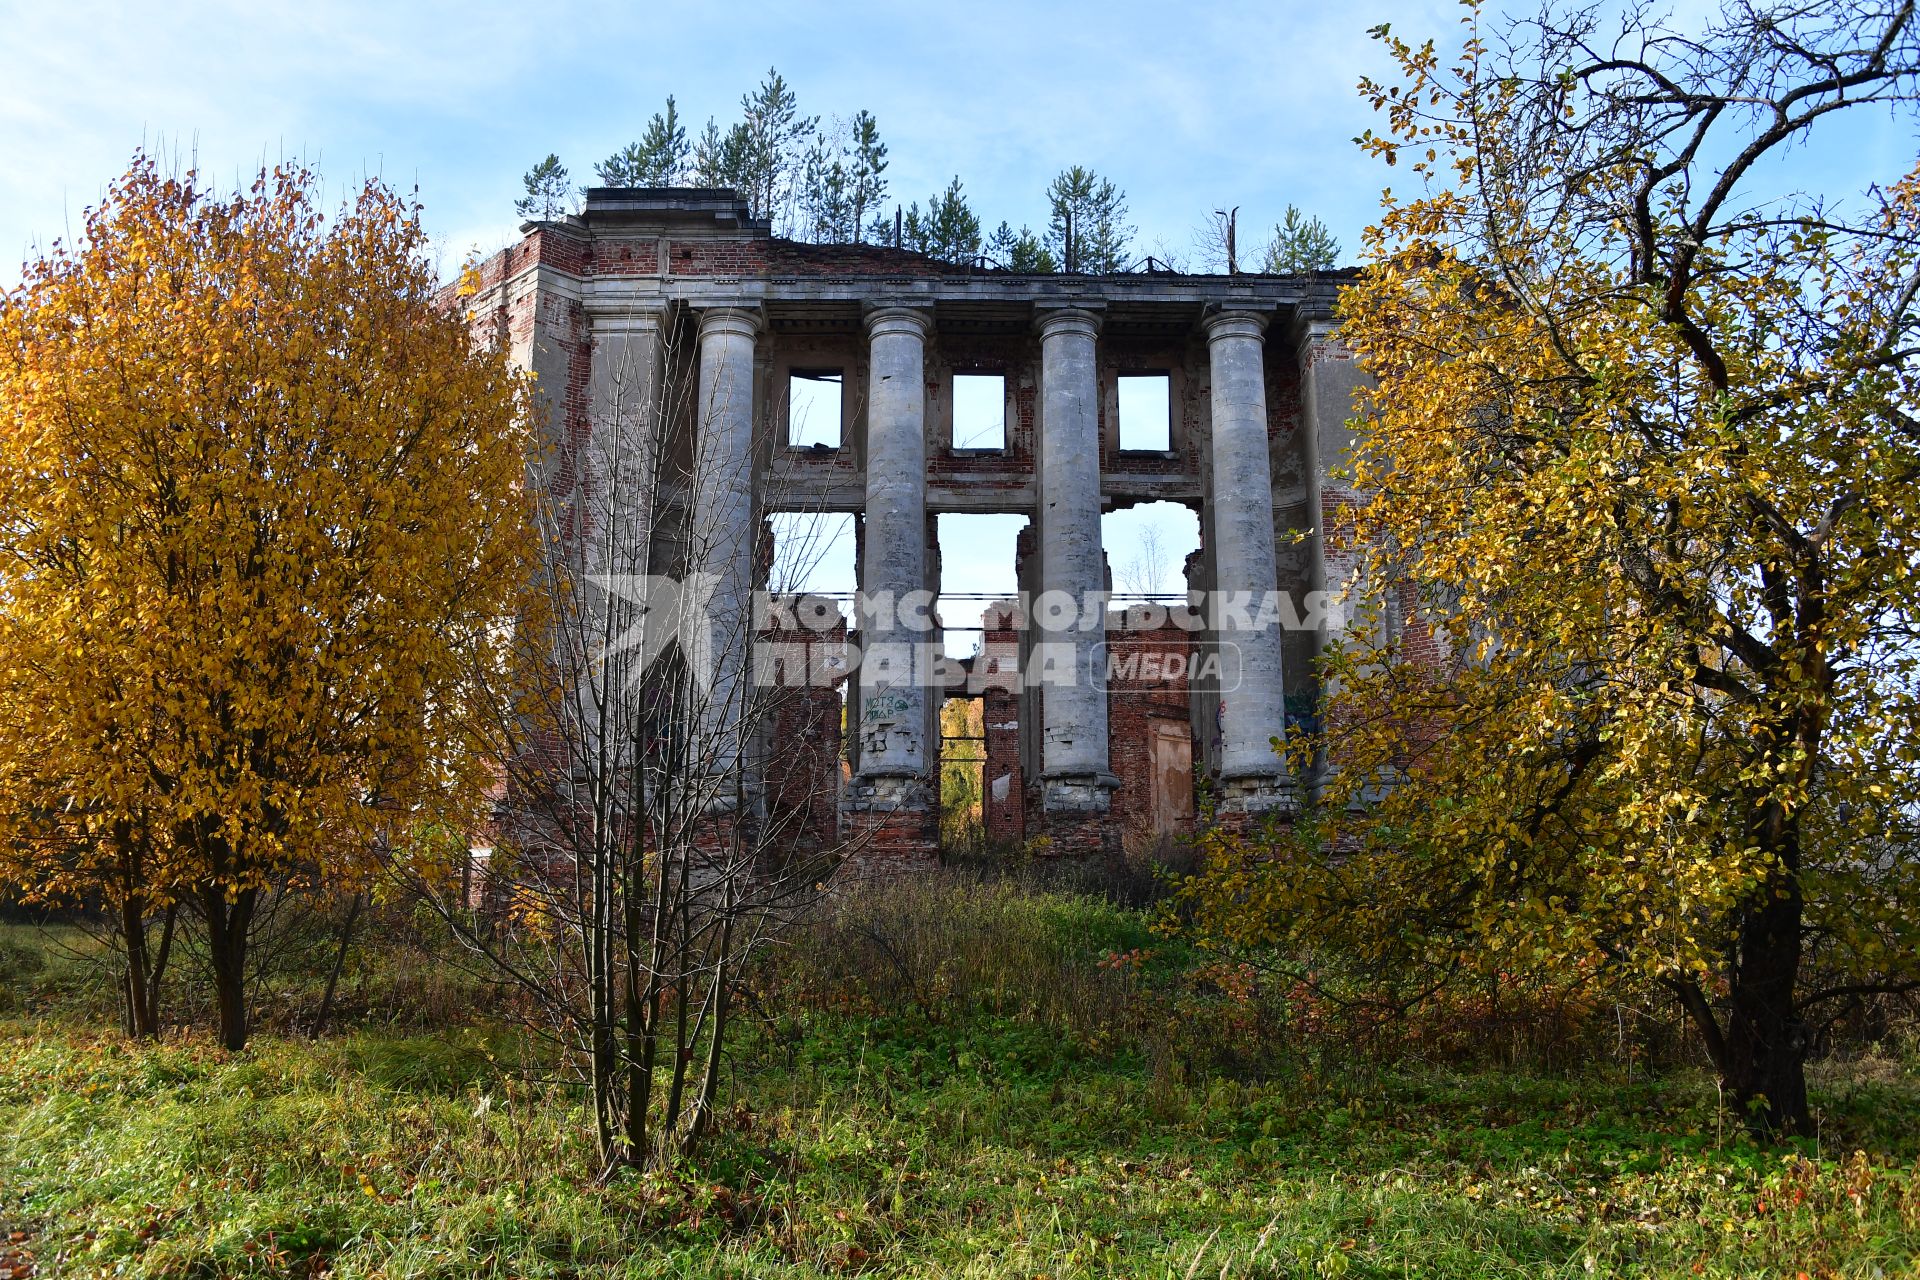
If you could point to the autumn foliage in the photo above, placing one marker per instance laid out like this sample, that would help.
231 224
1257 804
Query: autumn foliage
1645 462
262 511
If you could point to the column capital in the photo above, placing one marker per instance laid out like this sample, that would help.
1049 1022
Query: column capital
1231 321
1310 325
609 320
1078 318
741 318
885 318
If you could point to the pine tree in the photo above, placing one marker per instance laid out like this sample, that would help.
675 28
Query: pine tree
1301 244
710 164
547 191
827 206
658 159
764 153
867 165
842 181
948 230
1087 229
1021 251
768 156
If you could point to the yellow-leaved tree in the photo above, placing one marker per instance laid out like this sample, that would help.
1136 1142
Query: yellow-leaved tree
263 514
1645 463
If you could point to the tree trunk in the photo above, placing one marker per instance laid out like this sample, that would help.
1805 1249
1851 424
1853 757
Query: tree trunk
145 966
1766 1043
645 999
158 967
717 998
229 921
600 1012
339 963
141 1021
140 982
136 985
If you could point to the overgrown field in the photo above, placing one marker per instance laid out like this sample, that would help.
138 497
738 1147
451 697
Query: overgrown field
961 1082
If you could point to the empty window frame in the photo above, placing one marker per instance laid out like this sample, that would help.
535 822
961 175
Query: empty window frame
813 408
1146 413
980 412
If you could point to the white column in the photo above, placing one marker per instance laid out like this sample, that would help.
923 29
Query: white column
1069 613
893 675
1245 572
720 536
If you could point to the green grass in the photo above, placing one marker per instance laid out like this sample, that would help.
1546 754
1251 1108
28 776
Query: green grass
981 1133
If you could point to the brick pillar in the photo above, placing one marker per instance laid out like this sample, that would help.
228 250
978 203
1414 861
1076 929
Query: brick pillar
1329 375
1148 696
799 665
614 470
996 674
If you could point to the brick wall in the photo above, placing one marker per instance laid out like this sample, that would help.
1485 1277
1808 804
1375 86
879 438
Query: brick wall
1148 689
1004 814
883 842
802 738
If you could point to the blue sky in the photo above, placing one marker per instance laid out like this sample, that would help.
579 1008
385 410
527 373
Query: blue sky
1189 108
1186 108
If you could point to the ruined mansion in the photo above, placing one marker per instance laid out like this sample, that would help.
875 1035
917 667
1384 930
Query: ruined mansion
1137 711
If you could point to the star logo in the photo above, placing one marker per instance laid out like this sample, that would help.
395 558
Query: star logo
652 614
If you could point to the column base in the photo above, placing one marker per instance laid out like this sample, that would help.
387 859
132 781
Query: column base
1075 819
888 826
1259 794
1076 793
